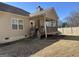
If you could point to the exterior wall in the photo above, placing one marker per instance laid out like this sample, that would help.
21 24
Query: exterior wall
7 31
51 14
74 31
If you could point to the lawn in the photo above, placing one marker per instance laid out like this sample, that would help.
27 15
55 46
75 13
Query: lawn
67 46
52 46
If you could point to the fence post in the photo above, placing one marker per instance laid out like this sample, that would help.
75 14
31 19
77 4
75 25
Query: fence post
71 30
63 30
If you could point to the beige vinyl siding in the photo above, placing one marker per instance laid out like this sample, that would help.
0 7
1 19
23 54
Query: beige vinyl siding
5 25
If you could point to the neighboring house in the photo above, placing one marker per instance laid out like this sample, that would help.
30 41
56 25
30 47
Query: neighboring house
14 23
46 20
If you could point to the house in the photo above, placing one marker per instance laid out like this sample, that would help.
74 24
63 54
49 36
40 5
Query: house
14 23
46 20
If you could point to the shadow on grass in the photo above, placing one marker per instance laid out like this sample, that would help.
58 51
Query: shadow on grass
13 42
30 46
70 37
33 46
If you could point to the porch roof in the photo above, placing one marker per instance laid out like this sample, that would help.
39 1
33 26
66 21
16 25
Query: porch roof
45 13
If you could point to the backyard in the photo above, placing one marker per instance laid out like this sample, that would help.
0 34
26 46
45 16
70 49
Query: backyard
52 46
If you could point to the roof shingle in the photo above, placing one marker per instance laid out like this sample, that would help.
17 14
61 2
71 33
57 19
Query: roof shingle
12 9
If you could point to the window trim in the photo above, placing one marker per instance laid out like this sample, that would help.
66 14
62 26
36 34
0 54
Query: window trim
17 23
20 24
53 22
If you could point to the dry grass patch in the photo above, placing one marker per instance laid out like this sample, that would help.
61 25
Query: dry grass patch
64 47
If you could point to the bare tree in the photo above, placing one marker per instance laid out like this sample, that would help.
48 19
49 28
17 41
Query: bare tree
60 23
73 19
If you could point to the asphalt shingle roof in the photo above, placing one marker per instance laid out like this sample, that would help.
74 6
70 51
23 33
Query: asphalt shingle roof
12 9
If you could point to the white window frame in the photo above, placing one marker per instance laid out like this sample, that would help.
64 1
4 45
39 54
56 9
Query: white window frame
13 23
53 23
20 24
17 19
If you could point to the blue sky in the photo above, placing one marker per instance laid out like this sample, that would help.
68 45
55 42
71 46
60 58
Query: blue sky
63 9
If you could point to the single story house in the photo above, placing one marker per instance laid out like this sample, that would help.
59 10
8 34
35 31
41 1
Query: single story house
15 22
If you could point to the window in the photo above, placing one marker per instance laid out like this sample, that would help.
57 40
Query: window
50 23
20 24
17 24
54 24
14 24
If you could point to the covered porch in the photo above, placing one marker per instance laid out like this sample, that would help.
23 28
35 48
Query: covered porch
46 26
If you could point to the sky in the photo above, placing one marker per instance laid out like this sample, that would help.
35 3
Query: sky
63 9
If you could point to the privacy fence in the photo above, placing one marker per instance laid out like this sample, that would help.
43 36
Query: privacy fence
69 31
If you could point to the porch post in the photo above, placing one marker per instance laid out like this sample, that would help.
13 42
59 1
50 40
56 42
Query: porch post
45 27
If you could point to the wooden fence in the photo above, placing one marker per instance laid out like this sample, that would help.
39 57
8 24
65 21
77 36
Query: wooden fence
69 31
